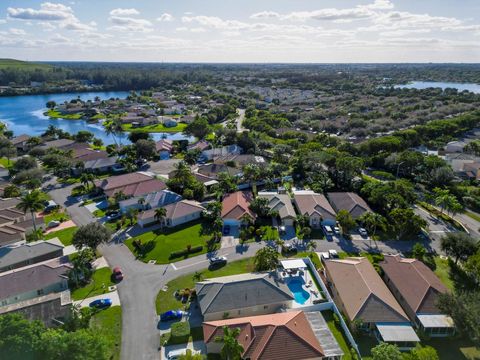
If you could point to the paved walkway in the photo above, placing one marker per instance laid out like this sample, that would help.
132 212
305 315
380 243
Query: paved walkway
63 225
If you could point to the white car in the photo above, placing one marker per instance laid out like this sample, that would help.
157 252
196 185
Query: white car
363 232
333 254
175 354
336 229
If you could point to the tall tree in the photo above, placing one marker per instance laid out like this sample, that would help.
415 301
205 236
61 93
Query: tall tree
385 351
231 348
373 221
458 245
266 259
160 214
91 235
32 202
345 220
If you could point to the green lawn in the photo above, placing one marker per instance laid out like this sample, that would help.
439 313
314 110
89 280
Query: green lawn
12 63
64 235
269 233
196 334
99 213
155 128
458 349
442 270
55 114
165 299
4 162
472 215
338 334
56 215
109 323
99 284
160 244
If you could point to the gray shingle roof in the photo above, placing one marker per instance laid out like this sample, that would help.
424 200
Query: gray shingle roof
12 256
241 291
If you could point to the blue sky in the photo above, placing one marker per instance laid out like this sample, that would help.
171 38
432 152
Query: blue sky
242 31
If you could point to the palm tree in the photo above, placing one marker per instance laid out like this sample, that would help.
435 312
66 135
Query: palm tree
372 221
231 349
32 202
87 178
266 259
160 214
251 173
113 128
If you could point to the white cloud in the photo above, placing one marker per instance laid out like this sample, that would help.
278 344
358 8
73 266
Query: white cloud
265 15
380 5
47 12
166 17
124 12
17 32
130 24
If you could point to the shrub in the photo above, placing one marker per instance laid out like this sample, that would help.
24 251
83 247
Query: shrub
180 332
190 250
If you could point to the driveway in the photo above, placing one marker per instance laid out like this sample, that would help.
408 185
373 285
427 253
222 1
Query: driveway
112 296
196 346
79 214
239 120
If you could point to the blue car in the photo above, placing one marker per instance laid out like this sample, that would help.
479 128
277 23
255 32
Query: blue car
101 303
172 315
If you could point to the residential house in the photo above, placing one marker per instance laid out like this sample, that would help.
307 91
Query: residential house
243 295
456 146
59 144
150 201
316 207
292 335
167 121
235 207
101 165
32 281
362 296
282 204
177 213
239 161
132 184
458 160
417 289
212 170
164 148
201 145
21 142
471 171
349 201
222 151
14 257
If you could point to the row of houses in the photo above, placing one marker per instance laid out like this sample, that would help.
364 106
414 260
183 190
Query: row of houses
392 308
321 210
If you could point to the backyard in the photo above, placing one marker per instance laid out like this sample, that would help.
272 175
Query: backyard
155 128
109 323
165 299
159 245
99 284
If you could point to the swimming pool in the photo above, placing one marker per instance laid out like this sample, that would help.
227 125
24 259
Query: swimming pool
299 293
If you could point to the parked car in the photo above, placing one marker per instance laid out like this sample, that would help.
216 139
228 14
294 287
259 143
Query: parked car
101 303
336 229
50 206
113 215
289 247
176 354
172 315
53 223
218 260
333 254
117 273
363 232
226 230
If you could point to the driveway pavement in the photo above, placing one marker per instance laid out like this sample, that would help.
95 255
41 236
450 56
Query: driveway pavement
196 346
112 296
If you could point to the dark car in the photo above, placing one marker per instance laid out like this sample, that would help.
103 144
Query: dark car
171 315
117 273
101 303
218 260
226 230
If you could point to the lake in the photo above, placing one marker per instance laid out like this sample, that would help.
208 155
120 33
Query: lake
24 115
475 88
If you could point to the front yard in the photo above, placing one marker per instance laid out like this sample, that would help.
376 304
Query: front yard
64 235
155 128
109 323
166 301
159 245
101 280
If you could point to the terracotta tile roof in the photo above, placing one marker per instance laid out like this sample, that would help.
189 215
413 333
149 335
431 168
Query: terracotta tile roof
19 139
412 278
164 145
286 336
313 203
357 283
236 204
133 184
113 182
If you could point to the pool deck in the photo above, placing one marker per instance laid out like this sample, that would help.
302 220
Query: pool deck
308 285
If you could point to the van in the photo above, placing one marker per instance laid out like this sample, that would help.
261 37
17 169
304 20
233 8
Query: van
328 230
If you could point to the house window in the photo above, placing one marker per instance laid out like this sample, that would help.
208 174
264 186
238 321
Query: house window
265 307
40 292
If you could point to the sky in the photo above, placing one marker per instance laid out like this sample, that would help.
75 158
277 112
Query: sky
238 31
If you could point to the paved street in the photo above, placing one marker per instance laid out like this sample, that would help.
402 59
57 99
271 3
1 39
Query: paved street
239 120
61 195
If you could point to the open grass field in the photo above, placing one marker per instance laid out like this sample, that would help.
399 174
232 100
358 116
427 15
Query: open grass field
109 323
165 299
160 244
12 63
54 114
155 128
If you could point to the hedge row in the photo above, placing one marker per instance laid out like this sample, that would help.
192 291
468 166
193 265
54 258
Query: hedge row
180 253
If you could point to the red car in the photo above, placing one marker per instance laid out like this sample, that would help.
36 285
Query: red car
117 273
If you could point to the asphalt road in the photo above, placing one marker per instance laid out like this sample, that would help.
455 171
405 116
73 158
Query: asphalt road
240 118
